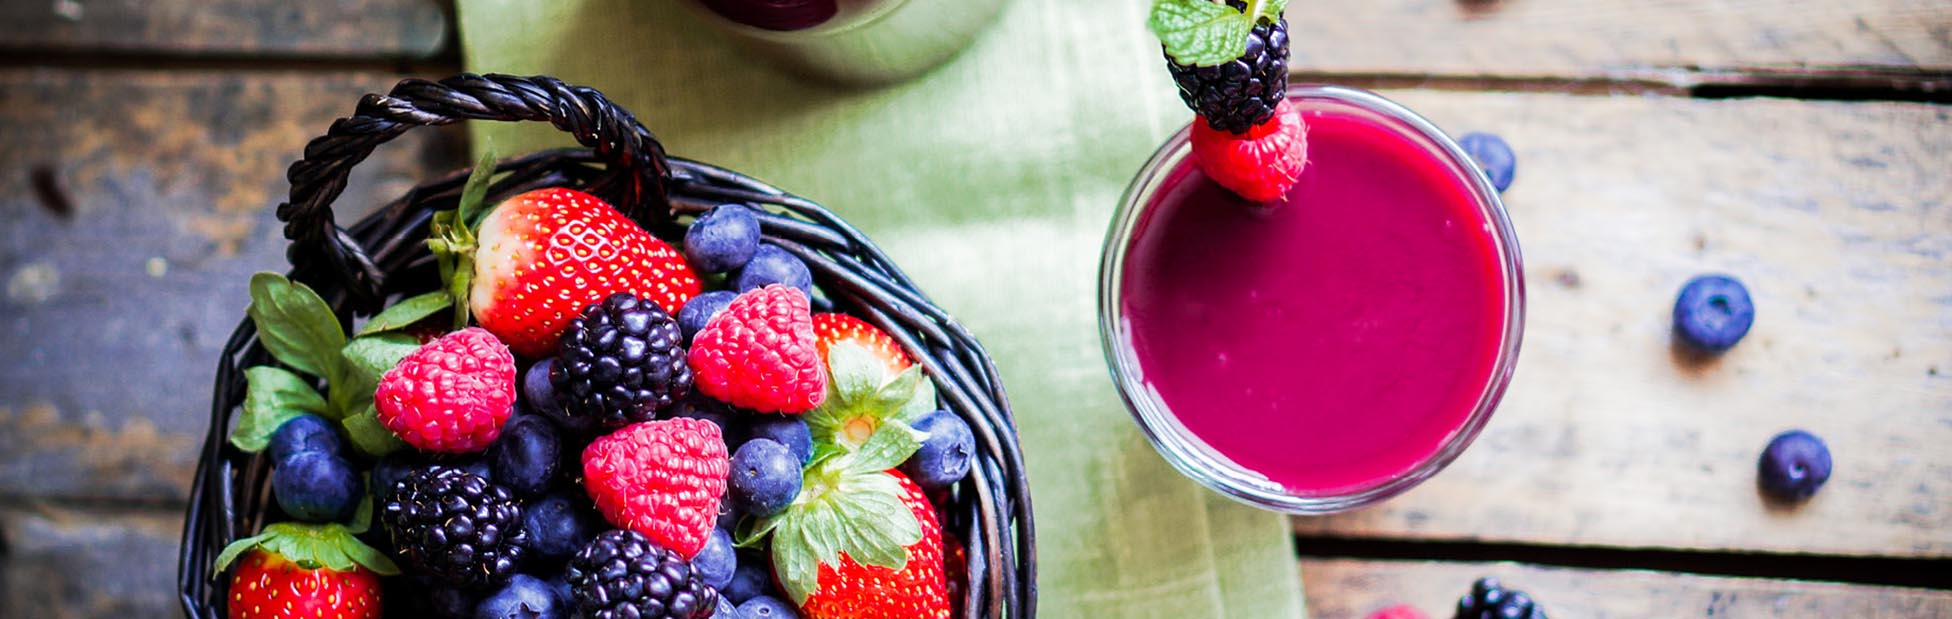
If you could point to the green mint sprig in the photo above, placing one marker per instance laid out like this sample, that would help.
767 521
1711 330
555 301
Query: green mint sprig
1204 33
300 331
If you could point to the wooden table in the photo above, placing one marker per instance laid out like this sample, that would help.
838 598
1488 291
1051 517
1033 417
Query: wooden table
1804 146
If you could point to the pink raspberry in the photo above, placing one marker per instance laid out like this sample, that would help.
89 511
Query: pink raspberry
662 479
1399 611
761 353
450 395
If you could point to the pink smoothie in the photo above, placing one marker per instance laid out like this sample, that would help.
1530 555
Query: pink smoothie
1335 341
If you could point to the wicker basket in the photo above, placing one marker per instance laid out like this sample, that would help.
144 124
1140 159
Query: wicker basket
384 256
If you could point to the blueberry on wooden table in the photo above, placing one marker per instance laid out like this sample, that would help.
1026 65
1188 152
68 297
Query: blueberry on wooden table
1713 312
1794 465
1493 156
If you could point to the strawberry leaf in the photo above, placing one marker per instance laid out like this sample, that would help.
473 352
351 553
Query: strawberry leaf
896 392
408 311
311 546
362 516
919 404
296 326
794 562
887 448
272 396
841 511
367 434
1203 33
469 211
853 372
860 396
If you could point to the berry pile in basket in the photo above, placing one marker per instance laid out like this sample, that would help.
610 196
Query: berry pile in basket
576 425
1230 62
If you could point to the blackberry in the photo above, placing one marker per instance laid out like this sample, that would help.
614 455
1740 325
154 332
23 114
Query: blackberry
454 526
621 574
621 362
1490 600
1242 93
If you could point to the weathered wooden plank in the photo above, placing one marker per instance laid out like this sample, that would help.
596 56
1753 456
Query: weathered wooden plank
136 205
75 563
1351 589
1837 218
344 28
1661 40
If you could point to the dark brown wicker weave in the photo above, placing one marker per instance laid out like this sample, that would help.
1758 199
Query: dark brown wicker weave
384 256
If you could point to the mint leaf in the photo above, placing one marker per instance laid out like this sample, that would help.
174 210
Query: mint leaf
367 359
272 396
408 311
296 326
1199 32
362 516
367 434
889 446
469 211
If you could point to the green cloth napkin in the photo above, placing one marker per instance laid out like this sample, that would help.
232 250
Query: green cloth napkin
991 181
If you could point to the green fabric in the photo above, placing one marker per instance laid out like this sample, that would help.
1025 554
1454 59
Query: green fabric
991 181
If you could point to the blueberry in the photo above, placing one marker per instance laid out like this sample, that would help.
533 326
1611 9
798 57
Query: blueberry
524 458
478 466
726 610
767 607
315 486
307 432
453 602
390 470
946 455
717 560
728 517
559 584
557 527
524 597
1493 156
540 396
723 239
1713 312
765 477
752 578
720 414
1794 465
700 310
773 265
788 430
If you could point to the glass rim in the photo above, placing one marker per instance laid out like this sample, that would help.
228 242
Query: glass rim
1189 454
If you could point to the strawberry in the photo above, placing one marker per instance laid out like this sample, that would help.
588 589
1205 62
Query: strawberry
542 256
831 328
1260 165
663 479
296 571
451 395
914 586
760 353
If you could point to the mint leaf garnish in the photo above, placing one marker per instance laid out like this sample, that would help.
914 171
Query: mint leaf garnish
367 434
296 326
272 396
407 312
1203 33
368 358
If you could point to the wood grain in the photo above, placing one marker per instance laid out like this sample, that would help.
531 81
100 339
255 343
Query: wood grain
136 205
1670 41
81 563
342 28
1351 589
1836 217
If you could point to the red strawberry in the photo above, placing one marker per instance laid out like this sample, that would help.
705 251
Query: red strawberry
299 571
1400 611
451 395
662 479
544 255
760 353
1260 165
832 328
850 590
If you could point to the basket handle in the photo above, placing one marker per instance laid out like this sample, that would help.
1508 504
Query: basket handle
635 182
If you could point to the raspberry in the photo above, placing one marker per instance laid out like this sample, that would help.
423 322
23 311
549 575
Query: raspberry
1399 611
452 394
1261 165
663 479
761 353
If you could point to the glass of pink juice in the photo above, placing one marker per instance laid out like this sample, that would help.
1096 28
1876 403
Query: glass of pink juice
1329 351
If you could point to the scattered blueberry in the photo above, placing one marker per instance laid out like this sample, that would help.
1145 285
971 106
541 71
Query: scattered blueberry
307 432
726 610
1493 156
788 430
556 527
1794 465
1713 312
752 578
524 458
772 265
765 477
723 239
702 407
728 517
476 465
946 455
540 396
315 486
717 560
524 597
767 607
390 470
700 310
